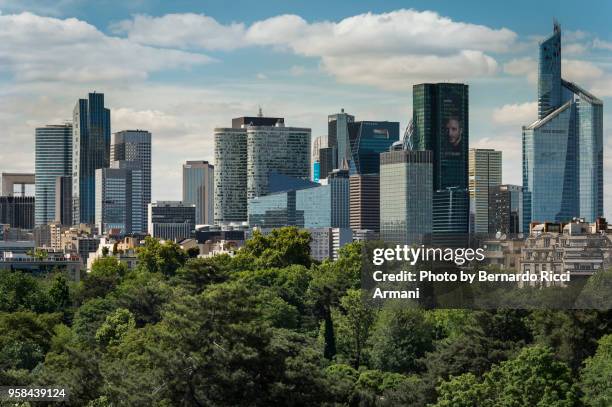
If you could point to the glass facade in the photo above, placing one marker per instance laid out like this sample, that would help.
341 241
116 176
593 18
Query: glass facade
317 207
563 149
506 203
338 136
53 159
230 200
406 196
91 141
451 217
198 186
485 173
368 140
275 149
135 146
171 220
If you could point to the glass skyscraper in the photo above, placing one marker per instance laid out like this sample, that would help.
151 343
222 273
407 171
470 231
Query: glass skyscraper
53 159
198 187
441 124
485 173
368 140
563 149
91 139
134 146
406 196
338 136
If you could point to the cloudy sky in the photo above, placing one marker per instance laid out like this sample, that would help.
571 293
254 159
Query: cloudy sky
181 68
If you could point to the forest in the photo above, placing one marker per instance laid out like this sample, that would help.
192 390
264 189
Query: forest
272 327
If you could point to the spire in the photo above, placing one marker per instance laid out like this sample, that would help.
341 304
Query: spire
556 26
260 113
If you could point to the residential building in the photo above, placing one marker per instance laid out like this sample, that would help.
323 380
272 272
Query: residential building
563 148
91 140
53 159
485 173
198 189
406 196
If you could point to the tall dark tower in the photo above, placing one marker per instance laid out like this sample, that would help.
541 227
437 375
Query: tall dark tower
90 151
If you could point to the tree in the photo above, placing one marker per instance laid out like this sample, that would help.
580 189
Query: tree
281 248
105 275
59 293
533 378
163 258
20 291
596 375
360 319
115 327
400 338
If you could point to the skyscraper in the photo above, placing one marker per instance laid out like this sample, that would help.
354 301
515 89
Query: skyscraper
485 173
506 209
563 149
231 178
63 200
368 140
406 196
441 125
133 148
53 159
90 151
198 188
338 135
114 200
247 154
275 149
364 202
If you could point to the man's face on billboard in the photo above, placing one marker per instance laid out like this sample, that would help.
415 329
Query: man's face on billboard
454 131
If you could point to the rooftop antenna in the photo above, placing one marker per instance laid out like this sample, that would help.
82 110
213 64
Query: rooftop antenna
556 25
259 113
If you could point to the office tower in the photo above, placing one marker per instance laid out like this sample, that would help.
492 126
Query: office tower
90 151
198 189
563 149
367 141
338 136
63 200
364 202
450 220
17 184
134 146
306 206
440 124
53 159
280 149
406 196
231 178
485 173
17 211
328 161
319 143
171 220
119 197
325 243
506 209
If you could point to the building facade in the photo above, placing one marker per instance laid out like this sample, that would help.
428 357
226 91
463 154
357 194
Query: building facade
17 211
406 196
364 202
368 140
91 140
134 147
506 210
53 159
171 220
563 149
338 136
198 189
230 198
63 200
485 173
119 199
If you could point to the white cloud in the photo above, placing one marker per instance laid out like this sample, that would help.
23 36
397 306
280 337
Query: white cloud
375 49
580 71
601 44
523 66
182 31
35 48
517 114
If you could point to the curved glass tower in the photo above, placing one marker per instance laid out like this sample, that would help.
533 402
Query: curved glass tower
563 149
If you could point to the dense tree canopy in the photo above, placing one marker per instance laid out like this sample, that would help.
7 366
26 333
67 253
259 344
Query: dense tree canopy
270 326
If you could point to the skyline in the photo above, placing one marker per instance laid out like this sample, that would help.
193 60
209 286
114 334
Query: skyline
179 88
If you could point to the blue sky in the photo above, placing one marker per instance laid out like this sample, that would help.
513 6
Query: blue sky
181 68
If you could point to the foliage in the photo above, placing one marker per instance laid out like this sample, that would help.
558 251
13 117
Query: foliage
596 375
